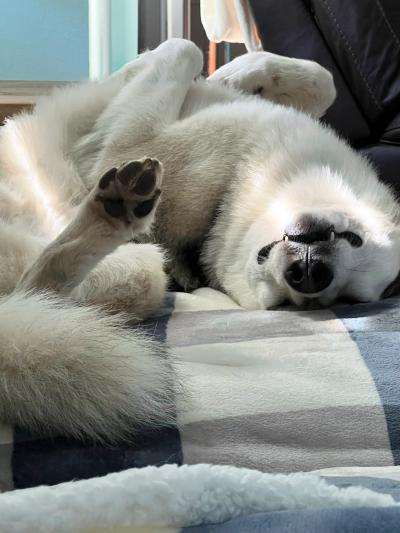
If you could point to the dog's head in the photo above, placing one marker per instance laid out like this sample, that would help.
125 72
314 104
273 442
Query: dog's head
324 241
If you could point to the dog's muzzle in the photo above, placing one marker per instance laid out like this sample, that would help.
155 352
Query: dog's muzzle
309 274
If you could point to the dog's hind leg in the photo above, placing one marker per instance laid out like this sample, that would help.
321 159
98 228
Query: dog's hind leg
85 149
120 206
151 101
298 83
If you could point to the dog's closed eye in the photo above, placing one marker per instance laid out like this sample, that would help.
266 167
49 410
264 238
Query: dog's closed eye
263 254
354 239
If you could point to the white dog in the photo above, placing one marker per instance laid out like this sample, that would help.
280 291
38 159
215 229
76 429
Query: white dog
275 206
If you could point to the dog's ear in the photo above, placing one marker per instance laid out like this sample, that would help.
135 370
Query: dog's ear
393 288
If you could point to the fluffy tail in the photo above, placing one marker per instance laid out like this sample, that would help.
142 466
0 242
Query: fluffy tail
75 371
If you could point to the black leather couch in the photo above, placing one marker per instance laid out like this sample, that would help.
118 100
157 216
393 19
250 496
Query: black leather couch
359 42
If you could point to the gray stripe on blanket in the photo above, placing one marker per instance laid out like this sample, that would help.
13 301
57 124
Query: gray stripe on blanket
291 441
186 329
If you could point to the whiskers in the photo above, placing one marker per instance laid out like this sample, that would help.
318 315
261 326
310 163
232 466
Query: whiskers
357 269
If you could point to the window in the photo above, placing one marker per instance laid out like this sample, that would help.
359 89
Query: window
159 19
51 42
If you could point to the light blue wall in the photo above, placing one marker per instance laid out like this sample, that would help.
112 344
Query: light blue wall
48 39
43 39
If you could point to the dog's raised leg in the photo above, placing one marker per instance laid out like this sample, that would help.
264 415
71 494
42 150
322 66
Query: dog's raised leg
121 205
149 102
298 83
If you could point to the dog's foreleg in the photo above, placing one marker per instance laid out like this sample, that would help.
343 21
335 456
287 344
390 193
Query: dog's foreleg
120 206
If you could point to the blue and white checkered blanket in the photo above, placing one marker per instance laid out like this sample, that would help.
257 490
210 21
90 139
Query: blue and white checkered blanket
277 391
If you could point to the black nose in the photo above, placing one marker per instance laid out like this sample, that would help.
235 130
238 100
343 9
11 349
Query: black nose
308 230
309 278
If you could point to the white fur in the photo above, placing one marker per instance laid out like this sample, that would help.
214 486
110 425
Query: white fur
224 150
73 369
172 496
259 166
281 80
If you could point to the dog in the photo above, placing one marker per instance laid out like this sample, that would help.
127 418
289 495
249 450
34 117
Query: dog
236 170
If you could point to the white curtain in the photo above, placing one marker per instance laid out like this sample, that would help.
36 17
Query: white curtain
230 21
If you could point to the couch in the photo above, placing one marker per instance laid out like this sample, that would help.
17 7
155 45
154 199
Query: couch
359 42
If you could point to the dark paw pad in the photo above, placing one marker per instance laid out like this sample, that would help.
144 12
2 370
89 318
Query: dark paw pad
146 207
128 171
131 191
115 208
145 183
108 177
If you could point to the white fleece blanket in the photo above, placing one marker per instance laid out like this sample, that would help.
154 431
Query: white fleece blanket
171 497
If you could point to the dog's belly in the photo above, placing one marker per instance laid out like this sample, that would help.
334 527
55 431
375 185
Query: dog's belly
202 157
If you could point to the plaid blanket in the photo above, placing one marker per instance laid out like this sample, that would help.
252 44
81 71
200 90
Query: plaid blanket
278 391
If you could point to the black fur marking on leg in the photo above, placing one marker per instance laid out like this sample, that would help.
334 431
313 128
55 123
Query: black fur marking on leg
147 206
107 178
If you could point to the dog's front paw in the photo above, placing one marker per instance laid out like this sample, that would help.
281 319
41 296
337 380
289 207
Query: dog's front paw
129 195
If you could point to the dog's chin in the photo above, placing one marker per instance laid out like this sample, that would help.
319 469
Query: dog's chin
310 301
296 298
